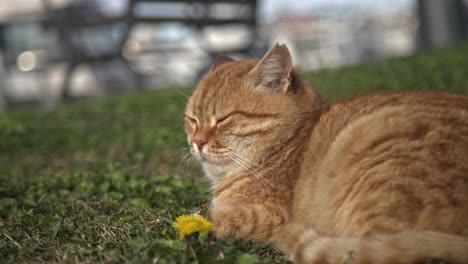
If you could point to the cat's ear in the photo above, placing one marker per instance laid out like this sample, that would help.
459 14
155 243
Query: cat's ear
273 72
220 60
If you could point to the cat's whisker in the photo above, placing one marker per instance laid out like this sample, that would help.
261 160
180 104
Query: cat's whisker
256 174
186 97
186 160
182 160
189 164
248 161
245 164
181 151
182 93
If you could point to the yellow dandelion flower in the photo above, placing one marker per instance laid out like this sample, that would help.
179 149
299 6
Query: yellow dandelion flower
188 224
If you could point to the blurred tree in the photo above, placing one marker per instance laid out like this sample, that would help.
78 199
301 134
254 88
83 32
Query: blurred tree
442 22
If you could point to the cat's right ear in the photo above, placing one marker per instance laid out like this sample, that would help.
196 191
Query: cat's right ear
220 60
273 71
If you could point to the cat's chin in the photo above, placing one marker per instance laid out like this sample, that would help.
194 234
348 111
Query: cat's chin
211 160
215 171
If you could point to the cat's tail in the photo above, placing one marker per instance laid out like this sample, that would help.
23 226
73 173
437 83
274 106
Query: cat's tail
305 246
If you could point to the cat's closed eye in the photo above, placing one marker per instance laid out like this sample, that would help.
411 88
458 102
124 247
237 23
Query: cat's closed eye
223 118
191 122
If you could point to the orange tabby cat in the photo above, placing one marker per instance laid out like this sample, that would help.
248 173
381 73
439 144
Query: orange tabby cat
373 179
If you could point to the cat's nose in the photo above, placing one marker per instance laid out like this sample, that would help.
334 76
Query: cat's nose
200 142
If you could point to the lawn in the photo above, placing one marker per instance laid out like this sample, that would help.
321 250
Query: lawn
103 180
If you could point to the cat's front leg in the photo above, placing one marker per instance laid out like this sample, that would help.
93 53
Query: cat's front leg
248 221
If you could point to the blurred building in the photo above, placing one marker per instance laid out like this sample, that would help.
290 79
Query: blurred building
332 36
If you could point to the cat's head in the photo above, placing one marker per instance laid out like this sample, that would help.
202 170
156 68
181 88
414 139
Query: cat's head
243 111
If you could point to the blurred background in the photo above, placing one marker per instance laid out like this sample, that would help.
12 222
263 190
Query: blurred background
58 50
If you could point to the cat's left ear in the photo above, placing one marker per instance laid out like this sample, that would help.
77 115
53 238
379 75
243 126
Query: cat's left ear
220 60
273 72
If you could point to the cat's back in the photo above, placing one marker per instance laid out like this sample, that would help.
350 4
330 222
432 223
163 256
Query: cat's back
363 119
378 108
404 153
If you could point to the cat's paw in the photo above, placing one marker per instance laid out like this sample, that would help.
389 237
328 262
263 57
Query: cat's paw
251 221
292 238
224 225
231 222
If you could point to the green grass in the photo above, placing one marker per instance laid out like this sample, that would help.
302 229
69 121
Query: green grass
102 180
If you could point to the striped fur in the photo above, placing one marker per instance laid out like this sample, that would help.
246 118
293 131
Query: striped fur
380 178
305 246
